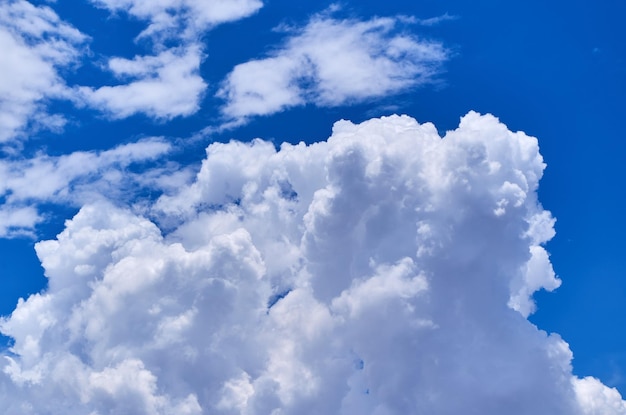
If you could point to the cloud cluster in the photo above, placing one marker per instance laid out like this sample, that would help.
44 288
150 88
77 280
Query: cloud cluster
73 179
383 271
167 84
331 62
35 44
327 62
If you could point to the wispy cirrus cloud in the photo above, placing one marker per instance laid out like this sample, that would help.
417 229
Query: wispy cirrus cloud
331 62
433 21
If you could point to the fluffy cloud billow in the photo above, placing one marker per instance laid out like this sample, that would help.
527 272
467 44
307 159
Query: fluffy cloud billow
386 270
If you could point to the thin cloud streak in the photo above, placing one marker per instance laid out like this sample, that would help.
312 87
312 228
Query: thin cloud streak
182 19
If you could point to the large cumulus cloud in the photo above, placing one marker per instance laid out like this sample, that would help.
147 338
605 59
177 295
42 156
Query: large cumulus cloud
384 271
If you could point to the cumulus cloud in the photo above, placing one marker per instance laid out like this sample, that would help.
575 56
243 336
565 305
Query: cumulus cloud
74 178
596 398
332 62
386 270
35 44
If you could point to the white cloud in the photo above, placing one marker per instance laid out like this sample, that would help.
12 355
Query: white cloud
73 179
18 220
433 21
168 84
182 18
163 86
597 399
35 43
371 273
332 62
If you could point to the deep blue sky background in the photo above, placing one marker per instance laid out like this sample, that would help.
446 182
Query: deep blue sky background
556 70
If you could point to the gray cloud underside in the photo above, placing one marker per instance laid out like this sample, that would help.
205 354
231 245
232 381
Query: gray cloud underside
384 271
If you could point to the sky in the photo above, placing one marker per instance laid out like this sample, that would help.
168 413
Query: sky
267 207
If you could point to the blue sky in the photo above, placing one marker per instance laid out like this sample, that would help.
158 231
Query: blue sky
188 76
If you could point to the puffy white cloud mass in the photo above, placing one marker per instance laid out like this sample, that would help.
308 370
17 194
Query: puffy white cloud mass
384 271
35 44
331 62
